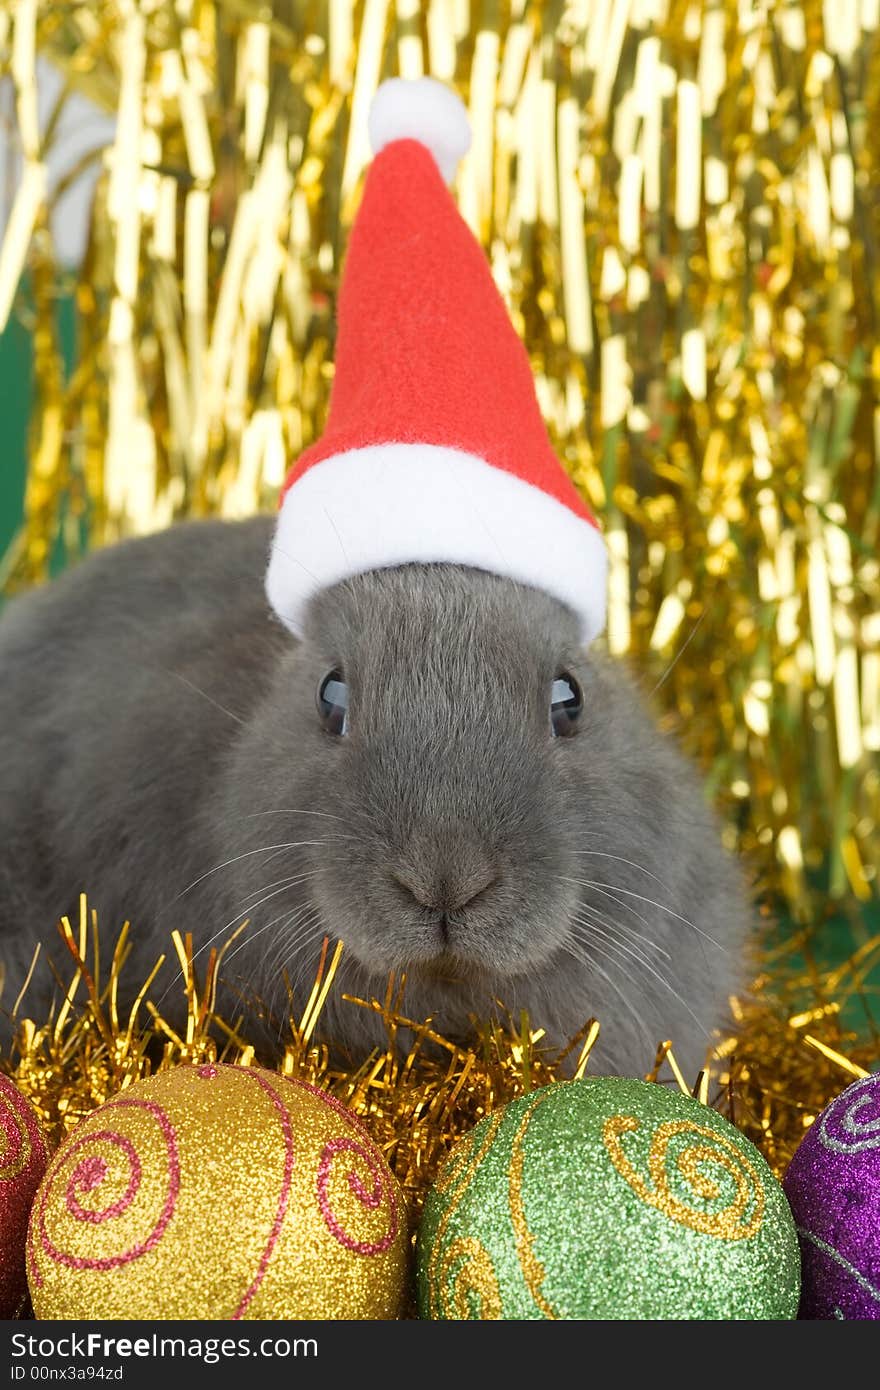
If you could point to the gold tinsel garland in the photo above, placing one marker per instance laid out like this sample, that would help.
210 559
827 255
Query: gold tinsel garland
680 205
789 1057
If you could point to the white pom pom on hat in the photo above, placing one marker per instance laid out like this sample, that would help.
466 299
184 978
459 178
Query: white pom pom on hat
423 110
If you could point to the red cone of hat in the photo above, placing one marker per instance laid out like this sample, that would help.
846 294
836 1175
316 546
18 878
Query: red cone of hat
435 449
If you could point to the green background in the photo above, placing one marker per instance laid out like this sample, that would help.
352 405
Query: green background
16 394
16 367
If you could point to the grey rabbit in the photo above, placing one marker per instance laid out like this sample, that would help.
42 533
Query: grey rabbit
438 774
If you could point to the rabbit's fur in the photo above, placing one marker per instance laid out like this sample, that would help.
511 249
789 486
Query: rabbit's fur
162 749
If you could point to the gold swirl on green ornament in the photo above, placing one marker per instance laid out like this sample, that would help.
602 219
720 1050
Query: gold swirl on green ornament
532 1270
455 1166
456 1178
730 1223
475 1275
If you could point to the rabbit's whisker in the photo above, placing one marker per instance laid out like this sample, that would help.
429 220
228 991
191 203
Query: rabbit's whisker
628 933
610 889
584 937
616 932
252 936
590 963
293 881
248 853
603 854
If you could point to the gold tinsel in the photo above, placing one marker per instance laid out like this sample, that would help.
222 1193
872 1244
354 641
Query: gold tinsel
679 201
416 1101
789 1057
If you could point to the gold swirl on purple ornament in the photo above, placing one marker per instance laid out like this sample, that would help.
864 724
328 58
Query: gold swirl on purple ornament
532 1269
377 1194
851 1124
701 1151
466 1270
102 1174
14 1136
455 1178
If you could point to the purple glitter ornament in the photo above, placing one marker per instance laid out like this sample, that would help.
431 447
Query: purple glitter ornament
833 1186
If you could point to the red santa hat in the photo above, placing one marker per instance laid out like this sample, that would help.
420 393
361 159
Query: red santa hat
435 449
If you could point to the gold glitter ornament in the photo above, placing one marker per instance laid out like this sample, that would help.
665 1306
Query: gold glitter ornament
128 1220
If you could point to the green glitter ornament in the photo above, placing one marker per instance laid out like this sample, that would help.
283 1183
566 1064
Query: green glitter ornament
607 1198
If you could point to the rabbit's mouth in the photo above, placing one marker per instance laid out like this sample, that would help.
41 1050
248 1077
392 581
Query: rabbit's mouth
448 967
486 933
464 954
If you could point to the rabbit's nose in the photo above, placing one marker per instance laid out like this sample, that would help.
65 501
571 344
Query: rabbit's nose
447 892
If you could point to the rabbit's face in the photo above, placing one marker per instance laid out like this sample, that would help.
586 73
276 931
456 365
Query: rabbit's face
447 717
461 794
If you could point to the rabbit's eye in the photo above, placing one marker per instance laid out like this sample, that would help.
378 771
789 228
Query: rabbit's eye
566 703
332 702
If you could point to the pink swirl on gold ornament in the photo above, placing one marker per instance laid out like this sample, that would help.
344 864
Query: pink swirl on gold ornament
351 1119
87 1175
372 1199
284 1196
92 1171
380 1191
